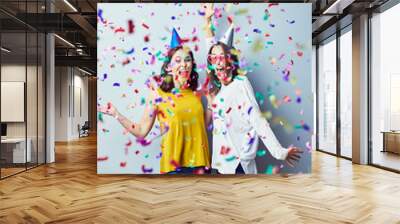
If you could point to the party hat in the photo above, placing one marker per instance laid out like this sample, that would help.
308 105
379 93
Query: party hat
228 37
175 39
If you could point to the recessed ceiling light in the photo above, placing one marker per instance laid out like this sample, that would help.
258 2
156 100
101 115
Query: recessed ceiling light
64 40
5 50
84 71
70 5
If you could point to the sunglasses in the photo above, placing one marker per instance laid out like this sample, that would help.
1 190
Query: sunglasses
214 58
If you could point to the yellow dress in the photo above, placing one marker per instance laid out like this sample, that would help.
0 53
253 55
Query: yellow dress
185 144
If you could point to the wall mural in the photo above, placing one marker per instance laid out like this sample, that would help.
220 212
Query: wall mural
193 88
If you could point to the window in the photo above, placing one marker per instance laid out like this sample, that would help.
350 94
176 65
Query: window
346 93
327 96
385 89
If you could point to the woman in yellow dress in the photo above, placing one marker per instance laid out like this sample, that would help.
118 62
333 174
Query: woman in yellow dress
178 108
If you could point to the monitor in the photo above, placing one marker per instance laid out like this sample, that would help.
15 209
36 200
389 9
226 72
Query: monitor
3 129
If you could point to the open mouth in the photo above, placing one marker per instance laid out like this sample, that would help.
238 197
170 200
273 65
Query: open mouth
221 73
183 72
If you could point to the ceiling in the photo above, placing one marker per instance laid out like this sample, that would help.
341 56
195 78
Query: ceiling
75 21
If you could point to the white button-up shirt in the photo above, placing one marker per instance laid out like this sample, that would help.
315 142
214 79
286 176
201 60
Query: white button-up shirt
237 126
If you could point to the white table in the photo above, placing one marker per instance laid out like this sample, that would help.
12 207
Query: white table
18 149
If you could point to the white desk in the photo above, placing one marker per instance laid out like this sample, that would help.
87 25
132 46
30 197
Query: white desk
18 149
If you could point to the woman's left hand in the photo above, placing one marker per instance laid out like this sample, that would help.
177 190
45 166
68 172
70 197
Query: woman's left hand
293 155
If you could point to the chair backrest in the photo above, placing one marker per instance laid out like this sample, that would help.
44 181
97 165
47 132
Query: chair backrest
86 125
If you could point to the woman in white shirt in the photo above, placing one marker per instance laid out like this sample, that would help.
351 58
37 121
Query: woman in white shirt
236 116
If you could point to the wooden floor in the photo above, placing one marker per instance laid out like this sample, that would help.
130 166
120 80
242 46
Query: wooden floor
70 191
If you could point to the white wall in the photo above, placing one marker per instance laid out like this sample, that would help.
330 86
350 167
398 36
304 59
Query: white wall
70 84
61 103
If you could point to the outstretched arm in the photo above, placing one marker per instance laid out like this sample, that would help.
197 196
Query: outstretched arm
140 129
263 129
209 12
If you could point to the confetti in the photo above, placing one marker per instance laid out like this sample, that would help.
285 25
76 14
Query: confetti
283 122
241 12
224 150
102 158
126 61
175 164
308 146
249 110
100 117
290 21
100 15
287 99
299 53
132 50
145 26
210 127
267 115
158 100
116 84
274 101
269 170
104 77
122 164
260 98
230 19
231 158
261 152
266 15
251 141
131 27
258 45
146 170
201 13
142 101
146 38
256 30
128 144
143 141
119 30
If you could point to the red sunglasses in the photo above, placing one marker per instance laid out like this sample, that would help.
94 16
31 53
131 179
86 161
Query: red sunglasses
214 58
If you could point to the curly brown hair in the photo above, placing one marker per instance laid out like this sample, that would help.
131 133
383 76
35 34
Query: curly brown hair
167 84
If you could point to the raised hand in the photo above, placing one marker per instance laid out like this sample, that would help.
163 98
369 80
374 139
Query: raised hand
293 156
208 10
109 109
